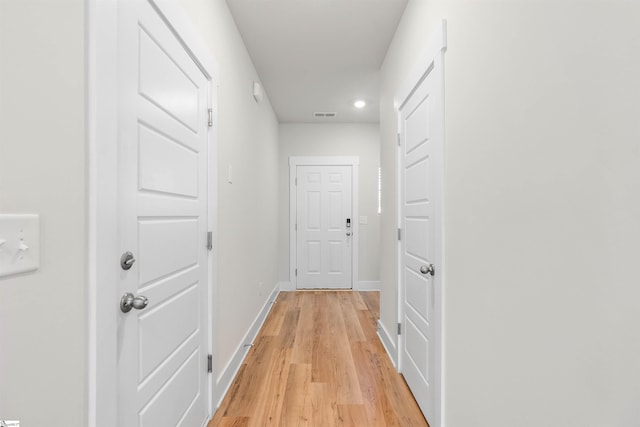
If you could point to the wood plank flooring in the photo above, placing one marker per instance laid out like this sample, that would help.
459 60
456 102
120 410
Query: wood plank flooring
318 362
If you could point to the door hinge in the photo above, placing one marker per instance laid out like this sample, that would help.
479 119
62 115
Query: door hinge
399 328
295 227
209 363
210 240
296 272
399 234
296 181
210 122
398 137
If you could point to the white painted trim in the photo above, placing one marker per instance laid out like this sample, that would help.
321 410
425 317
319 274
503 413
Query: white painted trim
324 161
387 343
361 286
230 371
398 274
367 285
437 45
102 197
286 286
294 162
184 30
213 228
101 211
432 58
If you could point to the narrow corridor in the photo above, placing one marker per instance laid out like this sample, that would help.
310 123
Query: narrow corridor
318 362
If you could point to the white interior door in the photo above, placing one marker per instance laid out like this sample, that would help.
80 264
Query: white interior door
324 227
163 127
421 157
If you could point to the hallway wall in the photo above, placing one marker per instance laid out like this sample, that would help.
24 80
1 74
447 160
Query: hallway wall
335 139
43 346
42 171
542 208
247 207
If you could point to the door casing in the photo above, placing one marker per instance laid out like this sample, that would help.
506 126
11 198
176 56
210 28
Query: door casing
434 52
102 208
294 162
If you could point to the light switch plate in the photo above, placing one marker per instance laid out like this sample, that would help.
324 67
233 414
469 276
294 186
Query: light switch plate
19 244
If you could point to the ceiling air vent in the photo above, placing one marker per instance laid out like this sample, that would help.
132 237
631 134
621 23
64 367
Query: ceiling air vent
324 114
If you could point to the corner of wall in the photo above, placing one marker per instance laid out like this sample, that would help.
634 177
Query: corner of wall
228 374
388 343
286 286
367 285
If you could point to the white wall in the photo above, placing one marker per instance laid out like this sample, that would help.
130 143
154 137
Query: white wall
340 139
542 208
42 170
248 207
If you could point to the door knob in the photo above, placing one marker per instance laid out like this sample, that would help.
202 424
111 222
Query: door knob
127 260
130 301
348 233
428 269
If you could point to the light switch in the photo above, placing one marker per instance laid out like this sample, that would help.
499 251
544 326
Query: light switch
19 244
364 220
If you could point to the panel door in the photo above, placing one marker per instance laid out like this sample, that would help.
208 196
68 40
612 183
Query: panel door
162 349
324 250
421 160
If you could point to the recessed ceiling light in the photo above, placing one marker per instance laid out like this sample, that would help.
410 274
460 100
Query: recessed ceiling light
359 104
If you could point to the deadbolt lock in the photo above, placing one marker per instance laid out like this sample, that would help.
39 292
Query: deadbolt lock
127 260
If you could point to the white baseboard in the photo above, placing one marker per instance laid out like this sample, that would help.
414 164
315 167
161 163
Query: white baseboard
387 343
287 286
231 370
367 285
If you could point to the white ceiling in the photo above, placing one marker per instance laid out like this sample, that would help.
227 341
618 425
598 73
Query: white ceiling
319 55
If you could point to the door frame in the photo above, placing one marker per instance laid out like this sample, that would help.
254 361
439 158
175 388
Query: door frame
102 195
432 54
294 162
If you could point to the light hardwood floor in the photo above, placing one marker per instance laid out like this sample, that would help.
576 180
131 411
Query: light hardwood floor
318 362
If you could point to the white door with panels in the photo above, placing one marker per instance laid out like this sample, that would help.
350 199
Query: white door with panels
163 104
421 130
324 226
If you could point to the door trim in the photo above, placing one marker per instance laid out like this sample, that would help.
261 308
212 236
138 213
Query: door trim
102 196
433 53
294 162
